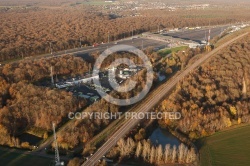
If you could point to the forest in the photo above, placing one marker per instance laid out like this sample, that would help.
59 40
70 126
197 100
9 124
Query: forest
211 98
34 70
33 30
214 96
24 105
84 130
27 102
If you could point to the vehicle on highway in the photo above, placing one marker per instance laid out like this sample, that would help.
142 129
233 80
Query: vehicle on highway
95 44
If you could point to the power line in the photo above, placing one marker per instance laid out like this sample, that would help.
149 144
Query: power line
57 157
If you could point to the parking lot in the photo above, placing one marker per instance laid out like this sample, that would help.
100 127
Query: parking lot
84 87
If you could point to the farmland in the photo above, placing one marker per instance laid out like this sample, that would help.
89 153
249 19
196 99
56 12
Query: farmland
229 148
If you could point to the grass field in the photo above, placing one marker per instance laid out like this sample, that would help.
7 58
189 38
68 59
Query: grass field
227 148
96 3
165 52
12 158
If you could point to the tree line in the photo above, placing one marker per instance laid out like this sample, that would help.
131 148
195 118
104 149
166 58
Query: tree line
75 27
214 96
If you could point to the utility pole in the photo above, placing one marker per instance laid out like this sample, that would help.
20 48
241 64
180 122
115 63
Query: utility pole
57 157
209 37
108 37
80 42
50 46
205 35
51 73
89 68
142 45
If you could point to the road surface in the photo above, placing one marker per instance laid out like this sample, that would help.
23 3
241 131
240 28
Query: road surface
149 104
199 34
138 42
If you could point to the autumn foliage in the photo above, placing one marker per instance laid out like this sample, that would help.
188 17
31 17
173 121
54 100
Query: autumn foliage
214 96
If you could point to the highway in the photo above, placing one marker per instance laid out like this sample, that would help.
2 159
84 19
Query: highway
137 42
197 35
149 103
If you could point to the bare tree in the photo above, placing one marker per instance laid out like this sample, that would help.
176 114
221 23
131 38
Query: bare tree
181 151
167 154
190 156
174 153
138 149
146 149
152 155
159 154
130 146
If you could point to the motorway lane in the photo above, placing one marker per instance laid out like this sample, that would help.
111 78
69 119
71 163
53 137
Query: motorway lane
198 35
147 106
136 42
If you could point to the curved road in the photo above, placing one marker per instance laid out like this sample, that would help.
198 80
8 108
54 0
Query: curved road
149 104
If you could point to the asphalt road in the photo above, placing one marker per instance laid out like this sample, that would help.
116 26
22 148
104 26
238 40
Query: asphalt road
149 104
195 35
136 42
199 34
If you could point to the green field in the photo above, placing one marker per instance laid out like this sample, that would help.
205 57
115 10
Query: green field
12 158
96 3
227 148
165 52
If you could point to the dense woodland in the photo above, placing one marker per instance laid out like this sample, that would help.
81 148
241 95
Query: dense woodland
215 96
83 130
24 105
31 106
65 3
31 31
34 70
